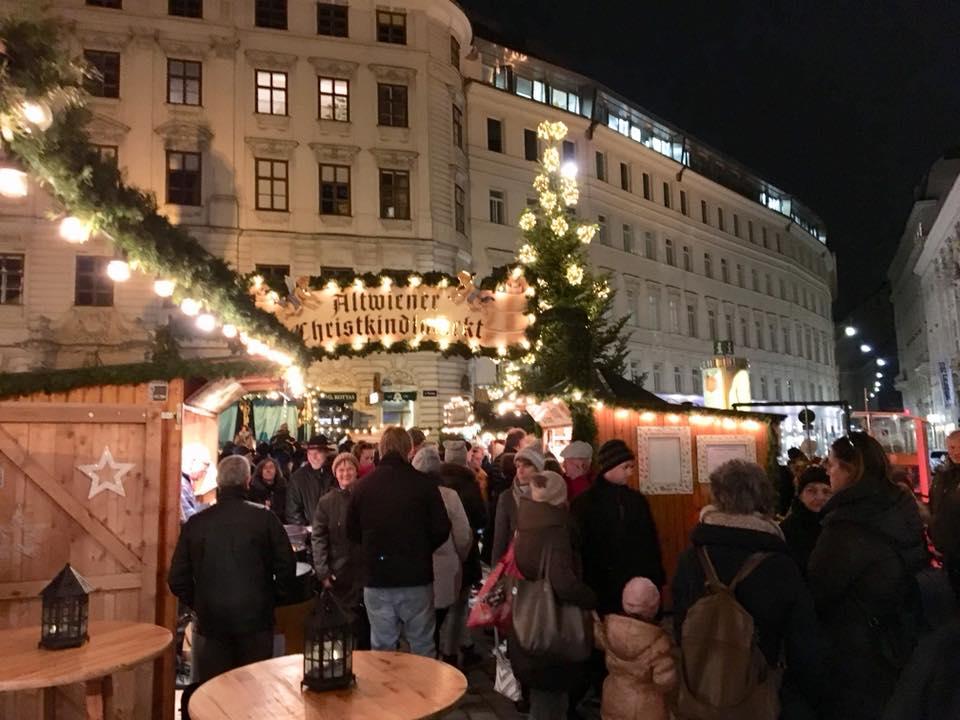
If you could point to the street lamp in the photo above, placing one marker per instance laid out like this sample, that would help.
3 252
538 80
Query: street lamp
881 362
849 331
865 348
879 376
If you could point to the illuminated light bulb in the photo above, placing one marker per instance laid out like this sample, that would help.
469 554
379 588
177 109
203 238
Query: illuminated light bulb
444 343
229 331
206 322
623 413
118 270
37 113
443 283
474 345
13 182
729 424
865 348
849 331
164 288
644 416
879 376
750 424
598 404
569 170
530 291
330 347
516 273
386 283
257 281
332 287
74 230
502 350
881 362
531 319
414 281
577 395
525 344
358 285
415 342
673 417
191 307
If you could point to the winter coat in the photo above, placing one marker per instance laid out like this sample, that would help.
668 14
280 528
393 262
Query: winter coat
801 528
945 482
333 552
543 528
928 688
462 480
448 558
620 541
577 486
232 562
260 493
397 515
506 520
861 570
774 594
641 666
786 489
306 488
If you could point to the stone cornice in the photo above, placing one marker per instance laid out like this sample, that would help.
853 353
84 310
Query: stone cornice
392 73
270 60
333 67
330 152
183 48
183 135
91 39
106 130
271 147
391 158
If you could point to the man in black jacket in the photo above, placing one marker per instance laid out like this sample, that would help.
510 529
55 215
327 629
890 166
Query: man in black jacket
397 515
946 480
231 563
309 483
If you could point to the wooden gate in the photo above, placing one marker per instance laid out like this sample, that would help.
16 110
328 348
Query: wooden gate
89 482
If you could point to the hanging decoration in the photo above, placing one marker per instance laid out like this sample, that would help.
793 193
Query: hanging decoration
114 483
459 418
43 125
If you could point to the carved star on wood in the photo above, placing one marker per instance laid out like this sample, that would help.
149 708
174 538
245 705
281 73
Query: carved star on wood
117 471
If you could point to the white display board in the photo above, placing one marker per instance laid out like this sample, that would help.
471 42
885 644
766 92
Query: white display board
714 450
665 460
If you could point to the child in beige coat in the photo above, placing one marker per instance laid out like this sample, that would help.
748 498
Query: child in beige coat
642 669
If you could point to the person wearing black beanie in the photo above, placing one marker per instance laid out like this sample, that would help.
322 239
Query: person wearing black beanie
801 526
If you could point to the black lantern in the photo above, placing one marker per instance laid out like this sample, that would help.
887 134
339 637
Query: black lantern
328 646
66 605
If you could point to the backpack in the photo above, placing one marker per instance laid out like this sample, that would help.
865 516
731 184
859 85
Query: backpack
723 673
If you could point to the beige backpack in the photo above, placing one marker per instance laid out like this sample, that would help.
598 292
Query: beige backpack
723 673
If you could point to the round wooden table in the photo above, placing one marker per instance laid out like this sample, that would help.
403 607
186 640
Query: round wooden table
390 686
113 646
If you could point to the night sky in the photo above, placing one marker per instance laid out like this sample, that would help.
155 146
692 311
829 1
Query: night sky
844 104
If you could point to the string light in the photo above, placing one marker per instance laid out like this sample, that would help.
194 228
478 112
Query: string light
190 307
332 287
414 281
229 331
206 322
644 416
13 182
118 270
164 288
37 113
386 284
74 230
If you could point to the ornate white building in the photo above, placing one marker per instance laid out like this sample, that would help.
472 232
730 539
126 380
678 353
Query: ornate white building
294 136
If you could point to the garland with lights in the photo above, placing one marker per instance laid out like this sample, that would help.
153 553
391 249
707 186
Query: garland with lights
43 121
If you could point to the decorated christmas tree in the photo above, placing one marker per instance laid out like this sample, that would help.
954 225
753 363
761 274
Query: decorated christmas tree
577 342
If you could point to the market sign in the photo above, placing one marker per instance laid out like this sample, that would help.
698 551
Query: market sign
356 314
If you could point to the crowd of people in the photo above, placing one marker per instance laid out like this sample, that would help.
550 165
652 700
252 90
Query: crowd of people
828 593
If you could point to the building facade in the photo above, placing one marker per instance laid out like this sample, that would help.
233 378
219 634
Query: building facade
293 137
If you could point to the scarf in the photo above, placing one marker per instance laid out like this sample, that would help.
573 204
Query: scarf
757 522
520 491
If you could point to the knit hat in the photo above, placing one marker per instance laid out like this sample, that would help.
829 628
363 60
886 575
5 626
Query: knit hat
577 450
548 487
455 451
813 474
613 453
641 598
427 460
532 455
345 458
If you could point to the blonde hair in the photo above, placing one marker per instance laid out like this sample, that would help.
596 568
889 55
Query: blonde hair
395 439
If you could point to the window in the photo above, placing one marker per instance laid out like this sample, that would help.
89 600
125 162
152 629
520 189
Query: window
712 323
530 146
779 244
628 244
460 211
728 321
755 279
763 237
653 309
763 387
668 247
677 379
601 166
183 178
183 82
772 328
272 185
271 92
498 207
392 105
334 95
107 66
635 374
783 289
631 304
687 259
684 210
739 274
106 153
744 331
564 100
736 225
720 220
724 270
391 27
333 20
673 312
395 194
789 389
454 52
769 285
666 195
494 135
271 14
658 377
92 287
758 334
650 246
707 265
777 389
11 279
116 4
274 276
692 320
334 190
646 186
696 381
457 127
185 8
569 151
602 229
796 293
704 218
786 338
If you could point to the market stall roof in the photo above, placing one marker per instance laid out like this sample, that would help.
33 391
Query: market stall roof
620 389
218 395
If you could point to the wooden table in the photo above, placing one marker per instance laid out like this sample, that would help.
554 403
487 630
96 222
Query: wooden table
390 686
113 646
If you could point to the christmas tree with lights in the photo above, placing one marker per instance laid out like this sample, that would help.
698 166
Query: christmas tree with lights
576 340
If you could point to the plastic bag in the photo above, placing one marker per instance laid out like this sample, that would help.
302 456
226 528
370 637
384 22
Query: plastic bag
505 681
492 607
